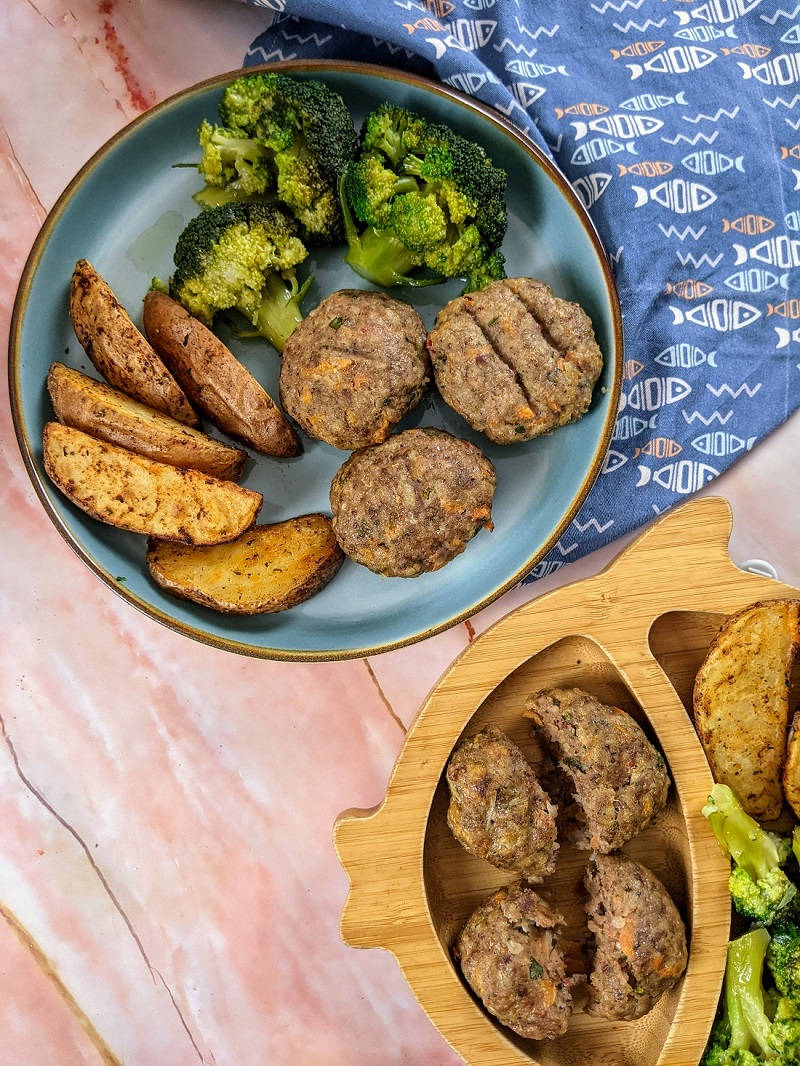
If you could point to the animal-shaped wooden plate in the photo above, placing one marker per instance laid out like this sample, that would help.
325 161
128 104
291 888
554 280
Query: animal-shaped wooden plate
635 636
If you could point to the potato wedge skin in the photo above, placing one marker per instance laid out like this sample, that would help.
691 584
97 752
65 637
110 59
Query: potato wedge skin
118 349
741 702
791 769
214 379
266 570
97 409
134 493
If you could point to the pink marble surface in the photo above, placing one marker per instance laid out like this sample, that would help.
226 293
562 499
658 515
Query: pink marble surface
167 879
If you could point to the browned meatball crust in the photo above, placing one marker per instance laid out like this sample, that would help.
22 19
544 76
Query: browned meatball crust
514 360
640 940
498 810
509 954
617 778
354 367
413 503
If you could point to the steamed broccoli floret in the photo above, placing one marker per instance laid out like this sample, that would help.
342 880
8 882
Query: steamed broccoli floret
242 256
783 960
231 162
420 186
784 1034
759 888
742 1034
304 136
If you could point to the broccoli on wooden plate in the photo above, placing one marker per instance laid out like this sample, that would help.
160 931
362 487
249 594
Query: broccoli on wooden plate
422 204
242 256
281 137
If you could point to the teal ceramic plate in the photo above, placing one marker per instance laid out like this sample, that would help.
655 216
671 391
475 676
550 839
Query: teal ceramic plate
124 210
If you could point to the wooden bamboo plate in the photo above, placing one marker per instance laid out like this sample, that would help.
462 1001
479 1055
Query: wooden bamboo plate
633 635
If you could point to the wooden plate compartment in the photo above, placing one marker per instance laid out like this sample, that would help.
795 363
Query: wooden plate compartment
633 635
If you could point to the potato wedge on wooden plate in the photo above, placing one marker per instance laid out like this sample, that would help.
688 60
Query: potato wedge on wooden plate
135 493
97 409
268 569
741 703
118 349
214 379
791 769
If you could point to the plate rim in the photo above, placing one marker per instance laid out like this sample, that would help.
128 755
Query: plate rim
318 67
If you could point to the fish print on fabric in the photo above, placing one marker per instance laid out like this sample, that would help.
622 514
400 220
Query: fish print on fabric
678 126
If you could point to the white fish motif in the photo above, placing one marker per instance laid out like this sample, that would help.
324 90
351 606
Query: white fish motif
792 36
715 11
591 187
685 356
720 442
628 426
681 196
467 81
614 460
755 280
721 314
527 69
786 335
472 34
650 102
796 179
680 59
479 5
683 477
708 162
792 221
598 148
781 251
703 34
626 127
782 70
527 93
650 394
547 566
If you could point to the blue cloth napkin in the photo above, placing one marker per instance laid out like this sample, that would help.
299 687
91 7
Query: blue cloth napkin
678 125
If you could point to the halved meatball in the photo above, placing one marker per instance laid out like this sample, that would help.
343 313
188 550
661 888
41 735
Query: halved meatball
514 360
412 503
618 780
498 810
354 367
509 954
640 939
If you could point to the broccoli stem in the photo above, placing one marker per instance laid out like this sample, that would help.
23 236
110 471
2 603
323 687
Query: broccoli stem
740 836
279 313
744 992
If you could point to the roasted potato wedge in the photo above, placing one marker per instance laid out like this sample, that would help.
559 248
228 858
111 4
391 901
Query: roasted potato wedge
268 569
135 493
791 769
741 703
110 415
118 349
214 379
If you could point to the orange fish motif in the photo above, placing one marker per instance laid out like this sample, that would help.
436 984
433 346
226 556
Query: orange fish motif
423 24
689 289
637 48
660 448
440 8
583 108
786 308
645 169
754 51
631 368
794 152
749 225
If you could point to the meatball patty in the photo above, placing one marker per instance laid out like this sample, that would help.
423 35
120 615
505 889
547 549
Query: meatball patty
617 778
514 360
640 940
354 367
498 810
509 954
412 503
